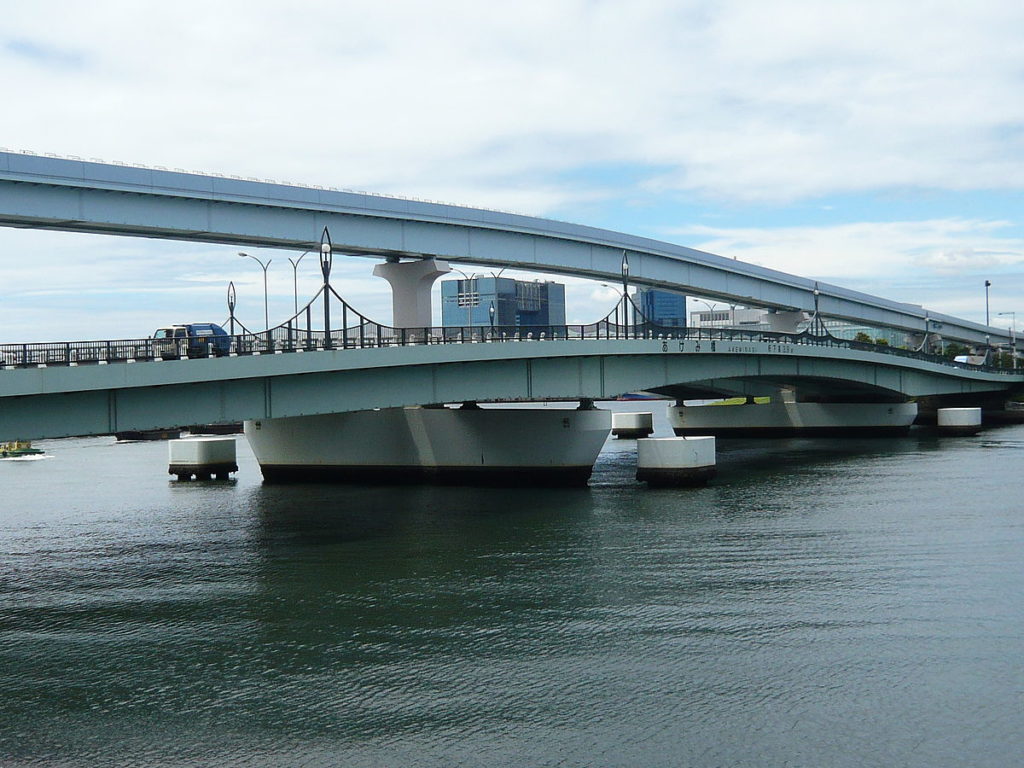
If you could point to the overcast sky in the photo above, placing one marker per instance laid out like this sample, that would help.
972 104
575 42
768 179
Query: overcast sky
877 145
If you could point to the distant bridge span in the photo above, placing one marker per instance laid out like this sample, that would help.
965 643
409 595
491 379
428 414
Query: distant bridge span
81 196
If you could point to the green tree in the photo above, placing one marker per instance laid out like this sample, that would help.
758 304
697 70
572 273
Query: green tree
953 350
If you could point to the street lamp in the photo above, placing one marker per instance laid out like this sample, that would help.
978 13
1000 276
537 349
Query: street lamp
988 338
469 295
295 278
625 291
490 311
711 309
818 325
266 299
1013 336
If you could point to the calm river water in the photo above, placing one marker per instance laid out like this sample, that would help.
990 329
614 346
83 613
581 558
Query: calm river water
822 603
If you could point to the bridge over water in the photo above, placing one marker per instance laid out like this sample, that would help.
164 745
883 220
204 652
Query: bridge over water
354 364
78 388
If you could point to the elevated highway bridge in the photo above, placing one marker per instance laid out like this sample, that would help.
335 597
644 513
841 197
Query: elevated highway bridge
83 196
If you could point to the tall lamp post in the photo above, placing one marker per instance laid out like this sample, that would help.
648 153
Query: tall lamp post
625 291
295 278
711 309
326 260
266 298
1013 336
988 338
469 295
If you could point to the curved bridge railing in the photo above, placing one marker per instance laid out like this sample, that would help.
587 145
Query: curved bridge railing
356 331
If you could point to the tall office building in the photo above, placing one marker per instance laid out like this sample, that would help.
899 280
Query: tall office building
515 302
662 307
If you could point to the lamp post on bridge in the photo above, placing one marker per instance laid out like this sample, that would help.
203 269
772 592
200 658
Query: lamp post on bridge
231 307
625 291
711 310
1013 336
266 297
468 293
295 278
326 258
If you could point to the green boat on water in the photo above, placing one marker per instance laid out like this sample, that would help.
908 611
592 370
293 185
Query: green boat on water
18 448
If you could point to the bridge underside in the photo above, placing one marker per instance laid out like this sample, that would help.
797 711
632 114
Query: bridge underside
569 375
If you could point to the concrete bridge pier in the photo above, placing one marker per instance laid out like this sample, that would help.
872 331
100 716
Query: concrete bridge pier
785 322
411 283
995 407
468 445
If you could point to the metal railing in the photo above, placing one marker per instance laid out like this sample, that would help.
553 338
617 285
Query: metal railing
357 331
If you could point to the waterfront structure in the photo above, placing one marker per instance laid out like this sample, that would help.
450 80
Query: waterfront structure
502 302
353 364
468 444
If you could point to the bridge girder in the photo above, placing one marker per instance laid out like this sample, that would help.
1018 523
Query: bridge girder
102 399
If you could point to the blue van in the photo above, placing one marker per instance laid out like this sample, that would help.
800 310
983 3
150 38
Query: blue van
191 340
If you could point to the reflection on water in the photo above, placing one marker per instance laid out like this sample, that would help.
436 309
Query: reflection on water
821 603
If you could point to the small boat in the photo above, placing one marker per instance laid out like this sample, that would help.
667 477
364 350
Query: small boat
17 448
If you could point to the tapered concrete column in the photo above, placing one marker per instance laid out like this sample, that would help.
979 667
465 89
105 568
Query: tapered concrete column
784 322
411 282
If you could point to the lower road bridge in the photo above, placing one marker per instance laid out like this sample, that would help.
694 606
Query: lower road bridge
332 405
93 388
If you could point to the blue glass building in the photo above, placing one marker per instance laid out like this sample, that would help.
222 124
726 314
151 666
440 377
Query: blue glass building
662 307
516 302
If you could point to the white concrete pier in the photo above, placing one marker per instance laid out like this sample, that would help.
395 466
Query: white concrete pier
630 426
675 461
959 421
792 419
202 458
451 446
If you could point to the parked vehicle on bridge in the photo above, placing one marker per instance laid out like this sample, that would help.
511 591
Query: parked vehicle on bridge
191 340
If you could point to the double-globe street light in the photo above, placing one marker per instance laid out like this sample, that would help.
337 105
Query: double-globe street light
469 293
295 278
266 296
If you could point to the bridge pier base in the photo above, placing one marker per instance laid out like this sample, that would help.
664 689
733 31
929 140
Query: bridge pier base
449 446
787 418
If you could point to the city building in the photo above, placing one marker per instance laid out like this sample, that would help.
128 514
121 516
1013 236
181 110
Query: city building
665 308
730 317
515 303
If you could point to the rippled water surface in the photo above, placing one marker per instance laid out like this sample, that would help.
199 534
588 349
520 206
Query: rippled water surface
823 603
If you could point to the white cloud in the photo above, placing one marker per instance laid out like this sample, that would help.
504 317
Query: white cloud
750 100
939 263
